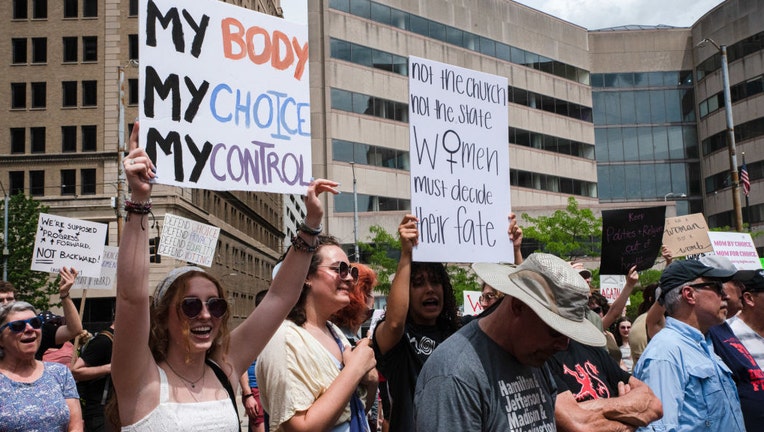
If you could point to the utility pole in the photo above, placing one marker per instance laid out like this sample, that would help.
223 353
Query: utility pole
355 215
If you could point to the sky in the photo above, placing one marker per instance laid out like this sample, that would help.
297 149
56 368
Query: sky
591 14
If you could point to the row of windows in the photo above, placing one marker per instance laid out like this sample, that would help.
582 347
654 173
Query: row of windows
403 20
366 154
71 9
69 52
651 181
738 92
343 203
723 179
549 104
642 79
753 214
68 94
370 105
643 106
646 143
545 182
743 132
735 51
38 139
68 182
550 143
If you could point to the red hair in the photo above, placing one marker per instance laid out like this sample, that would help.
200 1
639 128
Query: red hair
354 314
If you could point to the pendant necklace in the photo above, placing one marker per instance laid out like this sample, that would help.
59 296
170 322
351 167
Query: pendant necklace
192 383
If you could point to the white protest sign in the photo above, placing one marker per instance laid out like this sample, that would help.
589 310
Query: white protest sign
738 247
472 303
224 97
458 134
611 286
188 240
108 272
66 242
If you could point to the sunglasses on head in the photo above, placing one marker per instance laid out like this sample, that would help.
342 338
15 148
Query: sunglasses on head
192 306
343 269
19 326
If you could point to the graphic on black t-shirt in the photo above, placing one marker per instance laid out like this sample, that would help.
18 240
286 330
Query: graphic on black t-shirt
423 346
591 386
525 405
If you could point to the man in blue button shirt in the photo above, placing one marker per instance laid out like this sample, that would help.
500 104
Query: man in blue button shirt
679 363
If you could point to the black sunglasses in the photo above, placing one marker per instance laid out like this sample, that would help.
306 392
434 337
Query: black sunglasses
19 326
343 269
716 286
192 306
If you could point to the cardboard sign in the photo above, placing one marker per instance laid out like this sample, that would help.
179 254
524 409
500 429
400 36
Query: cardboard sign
458 134
66 242
108 272
686 235
611 286
188 240
631 237
738 247
472 303
224 97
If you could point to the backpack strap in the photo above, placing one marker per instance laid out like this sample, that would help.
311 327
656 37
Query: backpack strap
223 378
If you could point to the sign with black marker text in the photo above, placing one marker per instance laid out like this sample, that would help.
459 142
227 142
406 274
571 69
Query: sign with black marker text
66 242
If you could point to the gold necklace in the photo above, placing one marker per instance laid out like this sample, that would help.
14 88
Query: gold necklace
192 383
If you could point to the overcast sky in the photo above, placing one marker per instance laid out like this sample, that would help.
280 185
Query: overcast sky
591 14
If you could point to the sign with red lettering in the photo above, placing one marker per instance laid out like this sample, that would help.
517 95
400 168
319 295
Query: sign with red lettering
472 303
224 97
738 247
458 134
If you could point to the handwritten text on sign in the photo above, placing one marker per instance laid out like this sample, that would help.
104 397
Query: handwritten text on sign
188 240
224 97
108 272
686 235
459 163
66 242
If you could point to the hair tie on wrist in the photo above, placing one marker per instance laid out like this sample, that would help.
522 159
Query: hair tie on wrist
307 229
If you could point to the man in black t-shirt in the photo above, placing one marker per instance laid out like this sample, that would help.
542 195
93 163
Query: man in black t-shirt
92 371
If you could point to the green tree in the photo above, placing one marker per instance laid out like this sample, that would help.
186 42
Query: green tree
566 233
462 279
31 286
382 253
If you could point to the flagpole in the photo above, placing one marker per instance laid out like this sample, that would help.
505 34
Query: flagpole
747 190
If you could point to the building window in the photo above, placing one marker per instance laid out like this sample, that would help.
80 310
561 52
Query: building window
37 183
132 87
18 95
68 139
89 48
69 93
89 139
39 50
89 8
20 9
89 93
88 179
70 8
70 49
18 140
19 50
133 46
39 9
37 139
68 182
39 94
133 8
16 180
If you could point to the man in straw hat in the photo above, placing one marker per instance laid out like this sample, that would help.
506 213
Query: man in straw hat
490 375
679 363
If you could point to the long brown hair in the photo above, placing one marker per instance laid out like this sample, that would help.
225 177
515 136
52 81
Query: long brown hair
297 314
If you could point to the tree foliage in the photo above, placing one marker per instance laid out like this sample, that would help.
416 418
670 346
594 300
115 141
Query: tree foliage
566 233
31 286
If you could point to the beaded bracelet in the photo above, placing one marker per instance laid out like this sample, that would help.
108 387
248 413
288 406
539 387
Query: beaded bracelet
301 245
138 207
307 229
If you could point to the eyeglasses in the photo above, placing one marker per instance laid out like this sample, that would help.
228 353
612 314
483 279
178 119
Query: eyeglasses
343 269
192 306
716 286
488 297
19 326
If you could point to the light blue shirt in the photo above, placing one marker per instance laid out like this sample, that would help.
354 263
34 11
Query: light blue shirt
693 384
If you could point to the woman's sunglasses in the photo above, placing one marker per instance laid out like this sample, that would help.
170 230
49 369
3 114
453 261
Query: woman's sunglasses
192 306
19 326
343 269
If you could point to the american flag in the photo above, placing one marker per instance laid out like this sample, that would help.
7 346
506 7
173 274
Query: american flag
745 180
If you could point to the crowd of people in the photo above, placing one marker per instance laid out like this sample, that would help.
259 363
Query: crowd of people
546 353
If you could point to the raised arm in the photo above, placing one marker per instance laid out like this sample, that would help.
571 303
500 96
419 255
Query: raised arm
249 338
655 320
390 331
516 237
616 309
73 325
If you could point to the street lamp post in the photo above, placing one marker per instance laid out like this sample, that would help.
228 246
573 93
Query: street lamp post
673 195
730 135
355 215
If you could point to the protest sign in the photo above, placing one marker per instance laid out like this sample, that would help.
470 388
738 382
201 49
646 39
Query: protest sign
458 134
108 272
66 242
631 237
686 235
224 97
188 240
738 247
611 287
472 302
